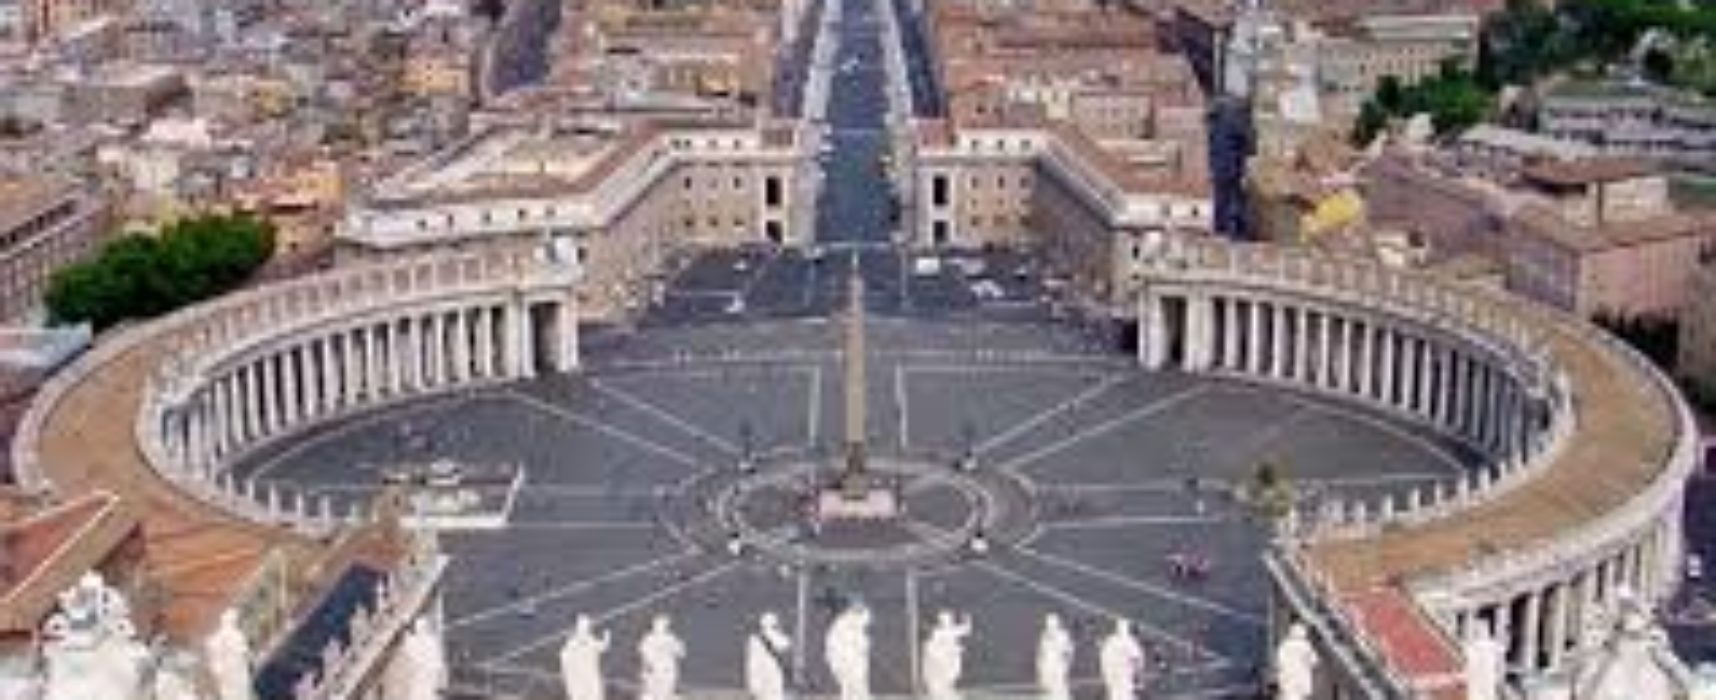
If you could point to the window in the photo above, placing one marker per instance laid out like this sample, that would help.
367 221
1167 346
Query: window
938 233
938 191
772 191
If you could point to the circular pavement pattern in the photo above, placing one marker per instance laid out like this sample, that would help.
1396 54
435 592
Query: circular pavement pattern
1088 478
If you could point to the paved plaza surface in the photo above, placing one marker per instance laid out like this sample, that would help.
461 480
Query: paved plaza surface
1091 474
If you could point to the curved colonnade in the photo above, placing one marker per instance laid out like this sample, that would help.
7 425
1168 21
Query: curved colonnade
237 374
1578 499
1585 445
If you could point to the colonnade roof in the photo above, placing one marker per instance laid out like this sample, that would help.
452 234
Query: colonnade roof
1621 444
196 555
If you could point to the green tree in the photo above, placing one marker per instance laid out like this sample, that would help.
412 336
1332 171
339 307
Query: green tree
140 276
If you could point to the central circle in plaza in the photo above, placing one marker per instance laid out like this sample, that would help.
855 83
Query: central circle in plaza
946 512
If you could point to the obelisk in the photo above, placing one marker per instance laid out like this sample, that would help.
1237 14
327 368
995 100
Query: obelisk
854 483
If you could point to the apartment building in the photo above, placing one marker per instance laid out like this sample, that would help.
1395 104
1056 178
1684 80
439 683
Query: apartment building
632 195
45 224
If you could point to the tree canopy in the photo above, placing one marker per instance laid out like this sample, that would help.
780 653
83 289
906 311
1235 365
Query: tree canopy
140 275
1453 99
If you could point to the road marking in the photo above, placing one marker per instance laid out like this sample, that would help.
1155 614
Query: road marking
813 412
1025 426
1147 588
575 525
585 421
1112 521
664 416
1159 405
1441 453
902 411
612 613
569 589
1094 608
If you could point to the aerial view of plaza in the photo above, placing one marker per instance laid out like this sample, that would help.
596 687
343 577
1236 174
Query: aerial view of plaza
857 349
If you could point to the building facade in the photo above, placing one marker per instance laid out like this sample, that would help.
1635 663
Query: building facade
44 226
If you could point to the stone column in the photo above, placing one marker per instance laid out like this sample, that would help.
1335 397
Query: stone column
1425 370
437 348
1344 379
1230 333
1367 358
1504 626
1200 337
570 358
310 374
1456 391
351 364
1278 339
1386 392
270 393
485 342
331 374
461 346
415 353
221 388
1152 331
518 341
1326 367
1558 612
1254 337
1302 344
1408 361
1529 639
394 352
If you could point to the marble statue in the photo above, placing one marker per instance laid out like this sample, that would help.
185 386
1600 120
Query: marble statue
90 648
1121 659
846 648
1295 665
766 659
173 680
1486 659
944 656
228 654
659 653
1054 659
419 671
581 660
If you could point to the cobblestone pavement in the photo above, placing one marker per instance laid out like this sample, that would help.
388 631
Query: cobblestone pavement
1123 471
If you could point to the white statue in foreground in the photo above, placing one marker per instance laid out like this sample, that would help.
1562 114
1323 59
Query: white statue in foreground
1122 661
766 659
420 669
847 651
90 646
1295 665
1054 659
581 661
659 653
1485 663
228 654
944 656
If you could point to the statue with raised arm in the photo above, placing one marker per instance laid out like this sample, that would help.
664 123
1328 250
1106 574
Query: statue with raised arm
944 656
847 651
228 654
1485 663
659 654
766 659
1121 659
581 661
1054 659
1295 665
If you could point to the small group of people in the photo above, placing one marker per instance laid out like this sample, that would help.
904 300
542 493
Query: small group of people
1189 566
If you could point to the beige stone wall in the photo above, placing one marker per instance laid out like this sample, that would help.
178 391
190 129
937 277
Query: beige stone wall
1076 244
27 263
1648 279
1697 362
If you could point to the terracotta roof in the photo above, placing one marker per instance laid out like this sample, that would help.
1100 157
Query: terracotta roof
1585 171
45 552
1625 432
1412 644
199 557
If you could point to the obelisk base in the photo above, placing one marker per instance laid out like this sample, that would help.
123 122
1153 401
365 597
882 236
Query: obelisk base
875 503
